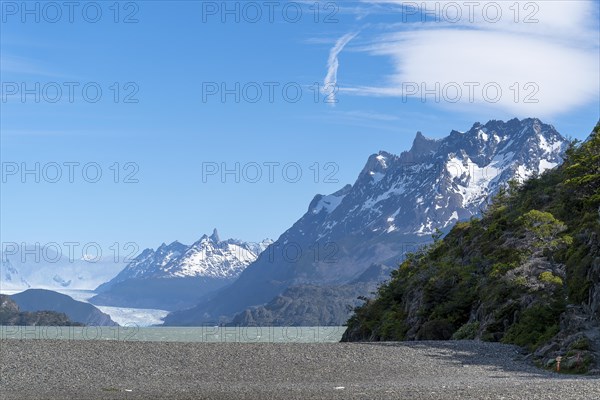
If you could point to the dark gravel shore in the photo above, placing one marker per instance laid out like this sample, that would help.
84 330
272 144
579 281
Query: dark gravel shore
38 369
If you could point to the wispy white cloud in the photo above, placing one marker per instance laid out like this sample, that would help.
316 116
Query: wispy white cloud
545 66
12 66
333 64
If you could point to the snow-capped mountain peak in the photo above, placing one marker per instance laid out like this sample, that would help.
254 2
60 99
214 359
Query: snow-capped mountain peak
437 182
208 257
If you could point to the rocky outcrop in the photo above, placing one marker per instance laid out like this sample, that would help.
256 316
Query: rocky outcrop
578 342
592 307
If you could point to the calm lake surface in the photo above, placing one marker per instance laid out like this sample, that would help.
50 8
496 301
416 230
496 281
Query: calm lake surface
267 334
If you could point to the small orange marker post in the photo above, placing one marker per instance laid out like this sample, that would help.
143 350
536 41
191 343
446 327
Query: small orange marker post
558 360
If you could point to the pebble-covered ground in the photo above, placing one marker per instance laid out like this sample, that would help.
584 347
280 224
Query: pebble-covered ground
39 369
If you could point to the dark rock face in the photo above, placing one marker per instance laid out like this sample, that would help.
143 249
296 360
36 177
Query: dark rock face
592 307
11 315
35 300
311 305
395 205
7 305
578 342
305 305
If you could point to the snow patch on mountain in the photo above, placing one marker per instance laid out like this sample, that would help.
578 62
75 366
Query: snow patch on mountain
10 278
439 182
328 203
46 269
209 257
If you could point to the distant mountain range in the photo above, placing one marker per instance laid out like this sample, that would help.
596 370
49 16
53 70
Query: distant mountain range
32 265
395 205
177 275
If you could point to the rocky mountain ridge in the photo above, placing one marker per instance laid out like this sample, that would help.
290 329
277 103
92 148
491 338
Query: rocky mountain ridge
177 275
526 273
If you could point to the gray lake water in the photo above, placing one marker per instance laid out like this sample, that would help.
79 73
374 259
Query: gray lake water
266 334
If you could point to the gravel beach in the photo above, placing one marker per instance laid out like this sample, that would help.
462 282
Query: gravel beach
44 369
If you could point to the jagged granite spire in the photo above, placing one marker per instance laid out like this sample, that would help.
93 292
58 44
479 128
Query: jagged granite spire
423 145
215 236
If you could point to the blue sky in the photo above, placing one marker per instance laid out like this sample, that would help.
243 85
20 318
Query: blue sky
372 52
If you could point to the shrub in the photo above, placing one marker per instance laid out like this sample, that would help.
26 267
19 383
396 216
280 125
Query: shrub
467 331
580 344
537 325
500 269
438 329
520 281
549 277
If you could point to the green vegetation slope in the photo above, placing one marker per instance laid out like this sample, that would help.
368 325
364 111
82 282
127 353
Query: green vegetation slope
526 273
